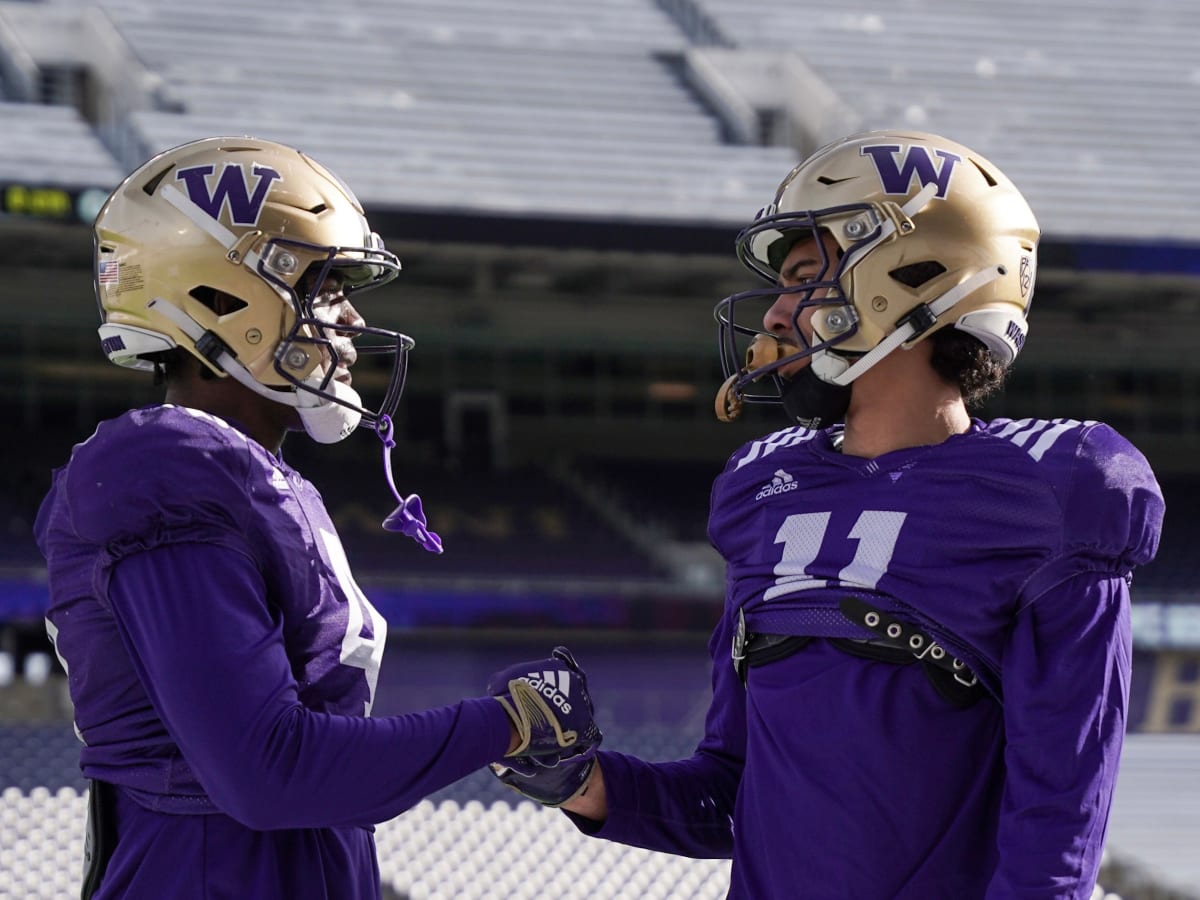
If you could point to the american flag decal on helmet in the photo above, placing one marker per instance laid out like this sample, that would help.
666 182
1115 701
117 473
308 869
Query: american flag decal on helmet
107 272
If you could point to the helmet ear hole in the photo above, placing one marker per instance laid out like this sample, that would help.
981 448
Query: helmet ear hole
916 274
219 302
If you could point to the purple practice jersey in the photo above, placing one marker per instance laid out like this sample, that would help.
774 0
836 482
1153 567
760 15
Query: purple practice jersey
222 662
833 775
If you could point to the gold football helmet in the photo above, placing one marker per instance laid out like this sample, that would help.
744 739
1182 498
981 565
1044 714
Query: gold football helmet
265 228
929 234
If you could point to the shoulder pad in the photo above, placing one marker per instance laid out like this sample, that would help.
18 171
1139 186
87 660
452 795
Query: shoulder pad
1112 504
155 469
1115 505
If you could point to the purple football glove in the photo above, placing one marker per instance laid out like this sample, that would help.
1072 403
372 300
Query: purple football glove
548 785
548 703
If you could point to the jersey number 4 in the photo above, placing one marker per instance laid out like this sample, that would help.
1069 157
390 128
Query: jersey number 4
803 535
361 648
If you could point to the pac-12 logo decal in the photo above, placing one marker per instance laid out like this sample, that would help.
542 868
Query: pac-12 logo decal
896 173
1026 275
232 189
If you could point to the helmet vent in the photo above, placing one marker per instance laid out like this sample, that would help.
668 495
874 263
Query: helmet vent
987 176
916 274
152 185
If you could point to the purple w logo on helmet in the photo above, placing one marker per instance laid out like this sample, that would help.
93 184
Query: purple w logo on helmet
897 177
232 188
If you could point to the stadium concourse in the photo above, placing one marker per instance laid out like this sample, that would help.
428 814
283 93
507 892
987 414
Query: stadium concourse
562 180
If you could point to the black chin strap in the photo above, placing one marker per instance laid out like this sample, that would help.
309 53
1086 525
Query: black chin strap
814 403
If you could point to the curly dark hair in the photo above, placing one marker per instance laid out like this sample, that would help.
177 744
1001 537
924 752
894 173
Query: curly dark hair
963 359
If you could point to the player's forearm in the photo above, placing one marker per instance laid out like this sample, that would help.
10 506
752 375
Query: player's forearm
1066 684
318 770
592 803
682 807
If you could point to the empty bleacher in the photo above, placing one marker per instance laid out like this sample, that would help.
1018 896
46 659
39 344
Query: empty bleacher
668 496
435 851
464 849
552 108
578 109
1084 105
52 146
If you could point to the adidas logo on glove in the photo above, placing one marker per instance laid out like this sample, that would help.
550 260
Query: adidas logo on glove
544 684
547 701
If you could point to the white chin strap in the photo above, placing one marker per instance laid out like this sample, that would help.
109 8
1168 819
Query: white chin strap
836 370
324 420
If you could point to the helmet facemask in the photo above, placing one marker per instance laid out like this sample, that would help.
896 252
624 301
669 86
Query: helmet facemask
308 356
752 367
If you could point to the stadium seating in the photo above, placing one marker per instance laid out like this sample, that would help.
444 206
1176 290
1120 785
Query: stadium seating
580 109
569 110
672 496
447 850
1066 101
52 146
42 754
434 851
460 843
1174 576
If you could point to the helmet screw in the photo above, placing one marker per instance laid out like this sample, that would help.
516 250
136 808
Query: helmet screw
879 304
285 263
837 321
233 256
296 358
855 228
253 336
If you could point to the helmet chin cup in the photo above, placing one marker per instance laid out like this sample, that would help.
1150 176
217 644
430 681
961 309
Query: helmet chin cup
828 366
331 421
813 402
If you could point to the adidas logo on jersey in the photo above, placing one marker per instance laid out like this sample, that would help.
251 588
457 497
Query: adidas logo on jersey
554 686
278 481
781 483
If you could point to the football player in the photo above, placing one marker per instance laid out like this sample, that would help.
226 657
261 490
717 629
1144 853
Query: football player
221 659
921 675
